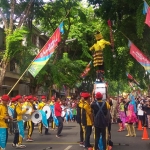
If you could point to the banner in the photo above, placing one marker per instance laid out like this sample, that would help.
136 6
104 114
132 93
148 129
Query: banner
3 138
44 119
86 70
146 11
130 77
46 52
21 128
140 57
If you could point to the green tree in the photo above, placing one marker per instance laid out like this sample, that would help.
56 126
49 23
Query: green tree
14 15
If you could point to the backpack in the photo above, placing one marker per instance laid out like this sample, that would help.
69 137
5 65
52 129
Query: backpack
100 119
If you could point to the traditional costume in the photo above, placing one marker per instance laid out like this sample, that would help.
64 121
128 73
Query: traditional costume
4 116
130 120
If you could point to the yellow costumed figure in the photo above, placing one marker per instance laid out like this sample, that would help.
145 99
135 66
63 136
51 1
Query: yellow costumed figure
98 54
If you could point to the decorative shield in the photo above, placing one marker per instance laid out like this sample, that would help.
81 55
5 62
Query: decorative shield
47 110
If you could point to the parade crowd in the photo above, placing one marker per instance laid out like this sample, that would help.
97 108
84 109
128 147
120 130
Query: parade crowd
93 115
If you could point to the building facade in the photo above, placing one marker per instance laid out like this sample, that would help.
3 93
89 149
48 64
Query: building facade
13 73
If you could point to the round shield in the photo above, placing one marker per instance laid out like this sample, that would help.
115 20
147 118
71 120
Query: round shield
47 110
28 111
26 117
36 117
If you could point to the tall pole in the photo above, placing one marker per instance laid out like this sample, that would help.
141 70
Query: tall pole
19 78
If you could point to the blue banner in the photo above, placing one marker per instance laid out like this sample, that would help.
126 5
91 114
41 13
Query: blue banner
3 137
44 119
53 115
21 128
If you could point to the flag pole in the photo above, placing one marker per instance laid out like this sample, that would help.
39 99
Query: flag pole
32 62
124 35
20 78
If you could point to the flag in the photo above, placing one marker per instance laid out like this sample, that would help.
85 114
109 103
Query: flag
86 70
61 27
147 20
46 52
130 77
145 8
139 56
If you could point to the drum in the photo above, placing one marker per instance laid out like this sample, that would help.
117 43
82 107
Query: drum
36 117
28 111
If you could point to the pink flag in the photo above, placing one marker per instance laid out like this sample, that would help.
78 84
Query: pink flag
140 57
147 21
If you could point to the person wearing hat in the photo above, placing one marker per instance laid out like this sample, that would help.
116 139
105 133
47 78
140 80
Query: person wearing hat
40 107
18 122
4 117
86 119
30 124
57 112
100 109
52 103
12 106
79 107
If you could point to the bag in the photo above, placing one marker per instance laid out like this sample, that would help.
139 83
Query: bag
100 119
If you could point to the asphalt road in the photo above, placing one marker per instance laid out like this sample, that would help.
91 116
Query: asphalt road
70 137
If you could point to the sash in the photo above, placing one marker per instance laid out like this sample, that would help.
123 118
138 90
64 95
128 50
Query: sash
100 142
3 138
67 115
44 119
21 128
11 111
53 115
71 115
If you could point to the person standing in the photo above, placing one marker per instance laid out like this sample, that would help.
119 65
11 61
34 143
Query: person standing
100 123
29 122
58 112
40 107
87 114
18 123
4 117
79 107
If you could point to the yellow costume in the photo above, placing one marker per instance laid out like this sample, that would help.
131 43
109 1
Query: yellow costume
98 49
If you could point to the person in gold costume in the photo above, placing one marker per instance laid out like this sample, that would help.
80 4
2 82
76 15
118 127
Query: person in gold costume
97 49
4 119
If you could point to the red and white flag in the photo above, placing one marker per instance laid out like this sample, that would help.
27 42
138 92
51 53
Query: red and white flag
147 20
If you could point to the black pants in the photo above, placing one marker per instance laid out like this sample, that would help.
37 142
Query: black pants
81 133
99 131
60 126
16 138
88 131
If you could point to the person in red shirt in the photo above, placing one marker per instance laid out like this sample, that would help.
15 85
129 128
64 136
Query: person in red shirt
58 111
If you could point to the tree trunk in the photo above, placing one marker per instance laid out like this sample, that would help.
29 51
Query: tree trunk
2 74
